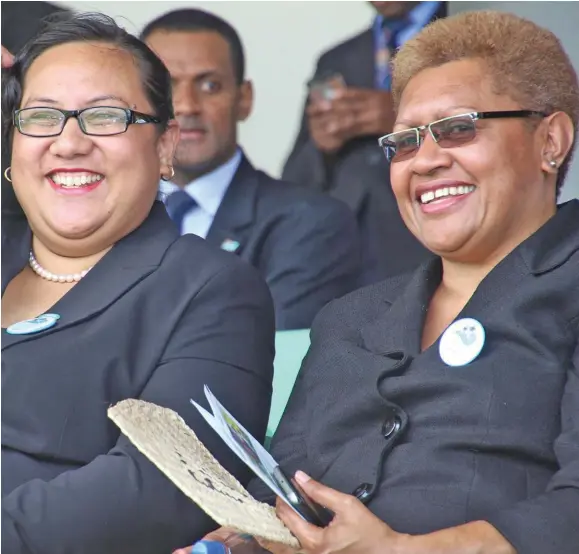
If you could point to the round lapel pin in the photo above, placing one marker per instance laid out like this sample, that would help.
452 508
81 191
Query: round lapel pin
36 325
230 245
462 342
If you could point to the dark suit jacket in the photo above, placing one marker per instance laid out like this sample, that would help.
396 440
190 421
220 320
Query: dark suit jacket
304 244
157 318
497 439
359 174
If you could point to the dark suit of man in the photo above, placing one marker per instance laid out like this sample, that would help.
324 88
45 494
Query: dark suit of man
305 245
157 318
429 446
358 174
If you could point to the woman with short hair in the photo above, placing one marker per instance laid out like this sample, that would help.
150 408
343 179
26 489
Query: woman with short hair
440 409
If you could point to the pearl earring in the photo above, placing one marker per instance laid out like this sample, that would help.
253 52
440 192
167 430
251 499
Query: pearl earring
553 164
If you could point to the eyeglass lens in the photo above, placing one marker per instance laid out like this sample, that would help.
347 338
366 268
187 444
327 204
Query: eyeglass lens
447 133
41 122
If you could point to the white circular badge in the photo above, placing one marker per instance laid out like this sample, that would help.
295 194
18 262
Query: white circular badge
462 342
36 325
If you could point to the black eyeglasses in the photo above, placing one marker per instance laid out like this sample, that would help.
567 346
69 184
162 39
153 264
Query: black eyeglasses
449 132
102 121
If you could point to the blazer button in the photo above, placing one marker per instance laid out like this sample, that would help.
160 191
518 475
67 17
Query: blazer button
362 492
391 425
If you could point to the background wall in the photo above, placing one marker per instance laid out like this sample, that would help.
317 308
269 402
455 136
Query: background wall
283 39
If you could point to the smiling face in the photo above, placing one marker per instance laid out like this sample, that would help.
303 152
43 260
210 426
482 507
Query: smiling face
496 194
207 98
82 193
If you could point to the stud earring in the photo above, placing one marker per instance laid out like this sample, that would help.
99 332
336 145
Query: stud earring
553 164
8 169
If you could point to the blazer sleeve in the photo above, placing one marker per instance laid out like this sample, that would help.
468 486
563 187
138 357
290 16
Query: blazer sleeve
550 523
288 446
120 502
306 165
314 257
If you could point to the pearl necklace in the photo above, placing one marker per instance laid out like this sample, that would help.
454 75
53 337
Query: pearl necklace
49 276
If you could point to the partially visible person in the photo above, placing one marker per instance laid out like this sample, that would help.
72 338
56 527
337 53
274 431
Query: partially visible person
20 22
335 150
305 245
439 413
7 58
102 300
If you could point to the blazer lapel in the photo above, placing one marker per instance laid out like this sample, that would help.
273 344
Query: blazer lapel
359 66
236 215
553 244
548 248
132 259
16 240
399 328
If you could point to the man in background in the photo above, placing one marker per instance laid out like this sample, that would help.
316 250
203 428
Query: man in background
304 244
348 108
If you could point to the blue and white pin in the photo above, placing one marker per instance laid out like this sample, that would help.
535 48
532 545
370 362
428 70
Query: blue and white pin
230 245
32 326
462 342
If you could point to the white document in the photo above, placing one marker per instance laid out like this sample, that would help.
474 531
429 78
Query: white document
249 450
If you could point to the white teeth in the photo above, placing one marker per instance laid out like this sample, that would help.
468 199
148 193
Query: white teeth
443 192
427 197
75 179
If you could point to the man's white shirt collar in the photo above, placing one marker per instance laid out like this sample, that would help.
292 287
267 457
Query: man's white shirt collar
208 191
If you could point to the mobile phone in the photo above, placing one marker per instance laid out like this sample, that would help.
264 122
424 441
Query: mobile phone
305 506
324 86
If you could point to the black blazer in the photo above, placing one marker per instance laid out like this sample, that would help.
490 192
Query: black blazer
304 244
359 174
497 439
157 318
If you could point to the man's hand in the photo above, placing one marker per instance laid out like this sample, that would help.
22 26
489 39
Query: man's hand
7 59
351 113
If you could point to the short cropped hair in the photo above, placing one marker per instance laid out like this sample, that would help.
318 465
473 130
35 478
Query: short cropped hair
525 61
194 20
